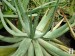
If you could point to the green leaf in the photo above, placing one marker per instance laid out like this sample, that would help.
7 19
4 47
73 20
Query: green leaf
47 19
41 6
8 50
26 54
31 50
61 30
45 52
25 4
15 16
10 16
24 45
52 48
7 3
11 39
37 47
19 15
7 28
13 27
31 27
24 16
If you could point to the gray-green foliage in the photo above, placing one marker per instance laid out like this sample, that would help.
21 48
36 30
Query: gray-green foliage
32 37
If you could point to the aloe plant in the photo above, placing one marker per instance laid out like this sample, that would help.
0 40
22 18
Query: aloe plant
6 10
35 39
